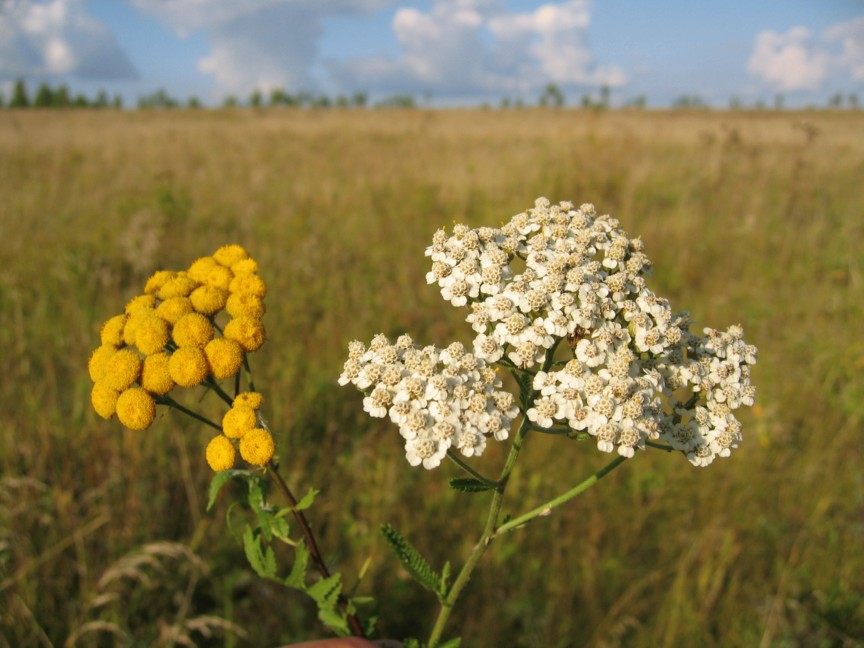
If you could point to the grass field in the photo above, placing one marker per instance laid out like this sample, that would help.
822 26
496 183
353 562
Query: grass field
755 219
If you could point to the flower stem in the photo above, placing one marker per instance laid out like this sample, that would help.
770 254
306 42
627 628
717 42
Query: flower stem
545 509
311 545
170 402
455 457
488 533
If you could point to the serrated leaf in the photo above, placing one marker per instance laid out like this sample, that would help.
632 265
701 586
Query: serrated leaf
412 560
326 590
307 500
453 643
262 561
445 578
297 577
216 484
334 619
470 485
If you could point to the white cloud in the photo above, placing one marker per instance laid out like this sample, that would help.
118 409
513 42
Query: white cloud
798 61
58 37
262 44
850 37
474 47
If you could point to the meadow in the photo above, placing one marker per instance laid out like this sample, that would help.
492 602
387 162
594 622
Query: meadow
751 218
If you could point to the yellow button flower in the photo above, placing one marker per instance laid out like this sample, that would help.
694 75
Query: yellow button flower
219 277
122 369
99 360
174 308
140 304
178 286
247 283
248 331
112 330
152 335
228 255
200 268
155 375
104 399
240 305
246 265
193 329
136 409
251 399
220 453
257 447
208 300
188 366
157 280
224 356
238 420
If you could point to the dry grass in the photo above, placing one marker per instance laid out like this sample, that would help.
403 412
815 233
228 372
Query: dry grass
750 218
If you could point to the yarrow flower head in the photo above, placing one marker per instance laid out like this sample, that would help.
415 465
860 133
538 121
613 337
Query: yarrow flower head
630 371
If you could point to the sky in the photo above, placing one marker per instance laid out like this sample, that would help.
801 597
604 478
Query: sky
442 52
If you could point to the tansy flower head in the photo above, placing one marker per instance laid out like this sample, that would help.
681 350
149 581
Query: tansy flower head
252 399
247 283
249 332
228 255
174 308
188 366
136 409
104 399
246 265
157 280
192 329
208 300
224 356
240 305
98 361
219 277
155 374
220 453
178 286
257 447
122 369
238 421
152 335
200 268
140 304
112 330
130 329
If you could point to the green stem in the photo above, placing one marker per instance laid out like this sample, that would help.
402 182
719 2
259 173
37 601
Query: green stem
458 460
659 446
545 509
311 545
170 402
488 533
212 384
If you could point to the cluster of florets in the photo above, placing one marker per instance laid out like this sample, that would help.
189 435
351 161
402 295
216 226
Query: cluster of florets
170 336
242 425
439 398
634 372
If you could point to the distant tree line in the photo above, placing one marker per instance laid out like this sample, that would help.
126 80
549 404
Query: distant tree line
551 97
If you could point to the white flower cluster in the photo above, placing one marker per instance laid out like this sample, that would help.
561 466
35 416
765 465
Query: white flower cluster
636 373
438 398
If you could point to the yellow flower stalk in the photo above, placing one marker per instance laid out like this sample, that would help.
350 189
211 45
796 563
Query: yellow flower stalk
112 330
171 310
242 305
251 399
248 283
155 374
228 255
104 399
208 300
99 360
152 335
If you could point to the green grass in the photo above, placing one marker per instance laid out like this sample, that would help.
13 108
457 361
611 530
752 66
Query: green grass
749 218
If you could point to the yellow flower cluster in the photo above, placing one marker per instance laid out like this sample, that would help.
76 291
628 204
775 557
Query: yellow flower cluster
242 425
169 335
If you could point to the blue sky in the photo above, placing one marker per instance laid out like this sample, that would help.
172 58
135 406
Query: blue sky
453 52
